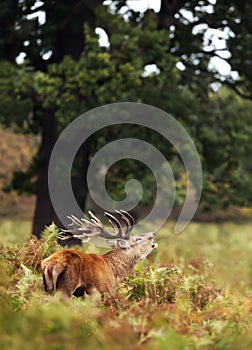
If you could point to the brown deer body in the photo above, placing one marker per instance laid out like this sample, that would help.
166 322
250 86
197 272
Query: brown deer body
75 273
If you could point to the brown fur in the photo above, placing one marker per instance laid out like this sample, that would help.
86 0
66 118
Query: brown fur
75 273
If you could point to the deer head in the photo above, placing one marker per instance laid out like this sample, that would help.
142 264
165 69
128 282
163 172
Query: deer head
85 230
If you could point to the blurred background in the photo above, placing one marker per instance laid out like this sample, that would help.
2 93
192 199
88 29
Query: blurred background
59 59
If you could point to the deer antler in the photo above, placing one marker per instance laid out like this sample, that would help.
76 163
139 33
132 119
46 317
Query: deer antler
85 230
128 219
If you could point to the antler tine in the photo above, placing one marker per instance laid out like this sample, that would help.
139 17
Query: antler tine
66 236
130 217
127 229
82 229
115 223
95 218
75 221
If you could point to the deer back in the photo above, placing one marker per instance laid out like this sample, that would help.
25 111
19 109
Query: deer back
68 270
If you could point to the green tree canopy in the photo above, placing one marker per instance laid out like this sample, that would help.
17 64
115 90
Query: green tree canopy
66 72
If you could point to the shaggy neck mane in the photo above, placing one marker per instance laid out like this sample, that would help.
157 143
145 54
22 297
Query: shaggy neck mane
121 262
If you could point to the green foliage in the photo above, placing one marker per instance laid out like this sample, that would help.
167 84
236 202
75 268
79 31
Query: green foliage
169 284
15 105
82 75
100 76
21 264
224 136
195 295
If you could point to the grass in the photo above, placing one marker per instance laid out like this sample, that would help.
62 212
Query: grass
194 292
14 231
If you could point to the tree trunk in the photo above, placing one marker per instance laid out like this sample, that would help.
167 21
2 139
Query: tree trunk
73 38
168 9
44 213
79 180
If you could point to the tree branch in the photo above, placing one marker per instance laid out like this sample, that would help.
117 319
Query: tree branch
168 9
235 88
29 11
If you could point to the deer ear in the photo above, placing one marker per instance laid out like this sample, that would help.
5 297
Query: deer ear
111 243
122 244
119 243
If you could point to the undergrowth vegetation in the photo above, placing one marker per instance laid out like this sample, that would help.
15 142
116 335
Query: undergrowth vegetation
194 292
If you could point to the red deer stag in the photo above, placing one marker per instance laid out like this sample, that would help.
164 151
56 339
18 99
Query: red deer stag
74 273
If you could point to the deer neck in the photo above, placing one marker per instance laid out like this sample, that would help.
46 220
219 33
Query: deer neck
121 261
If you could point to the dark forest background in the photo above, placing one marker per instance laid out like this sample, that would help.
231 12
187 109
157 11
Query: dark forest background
165 59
